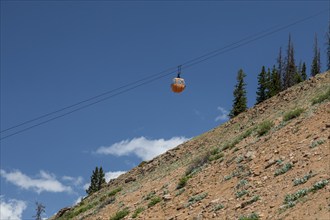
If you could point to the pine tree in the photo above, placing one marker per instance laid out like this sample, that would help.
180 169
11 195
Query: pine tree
39 210
303 72
275 82
261 90
290 67
316 63
280 68
97 181
297 75
240 101
268 84
101 179
328 47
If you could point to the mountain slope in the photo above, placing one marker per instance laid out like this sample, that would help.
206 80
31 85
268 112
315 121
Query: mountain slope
272 161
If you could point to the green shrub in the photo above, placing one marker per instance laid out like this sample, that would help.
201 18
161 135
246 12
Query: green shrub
114 192
319 185
254 199
253 216
239 194
197 163
218 207
150 195
321 98
196 198
120 214
284 169
137 212
317 143
292 114
302 180
182 182
215 156
154 201
264 127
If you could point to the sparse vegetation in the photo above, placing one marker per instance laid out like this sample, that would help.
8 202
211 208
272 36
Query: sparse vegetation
317 143
120 214
321 98
137 212
218 207
264 127
154 201
284 169
196 198
293 114
291 200
299 181
182 182
179 192
252 216
239 194
150 195
242 182
254 199
115 191
319 185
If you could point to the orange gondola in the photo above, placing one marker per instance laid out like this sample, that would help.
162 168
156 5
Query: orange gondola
178 84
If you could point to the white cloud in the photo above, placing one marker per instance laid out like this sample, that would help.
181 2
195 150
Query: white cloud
45 182
86 186
142 147
76 181
113 175
11 209
223 114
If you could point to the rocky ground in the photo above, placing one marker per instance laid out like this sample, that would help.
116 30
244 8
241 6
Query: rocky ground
270 162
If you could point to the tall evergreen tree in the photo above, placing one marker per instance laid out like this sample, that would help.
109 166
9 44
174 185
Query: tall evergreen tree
97 181
280 68
316 63
290 67
240 101
101 179
328 47
303 72
275 82
268 83
262 86
39 210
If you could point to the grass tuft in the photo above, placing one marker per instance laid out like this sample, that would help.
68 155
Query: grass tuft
264 127
154 201
321 98
120 214
137 212
293 114
253 216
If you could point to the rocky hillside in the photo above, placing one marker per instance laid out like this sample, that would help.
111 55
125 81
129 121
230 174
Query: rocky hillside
270 162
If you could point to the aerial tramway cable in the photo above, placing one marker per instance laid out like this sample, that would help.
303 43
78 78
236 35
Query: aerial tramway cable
151 78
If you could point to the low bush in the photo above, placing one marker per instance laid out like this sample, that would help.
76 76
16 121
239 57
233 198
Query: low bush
264 127
253 216
137 212
293 114
284 169
120 214
154 201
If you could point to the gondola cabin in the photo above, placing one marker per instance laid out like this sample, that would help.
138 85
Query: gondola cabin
178 85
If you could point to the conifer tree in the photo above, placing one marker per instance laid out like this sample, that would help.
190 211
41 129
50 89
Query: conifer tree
268 83
39 210
275 82
240 101
290 67
280 68
328 47
261 90
303 72
316 63
97 181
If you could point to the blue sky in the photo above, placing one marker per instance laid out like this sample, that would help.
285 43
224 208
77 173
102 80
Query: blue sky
57 53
